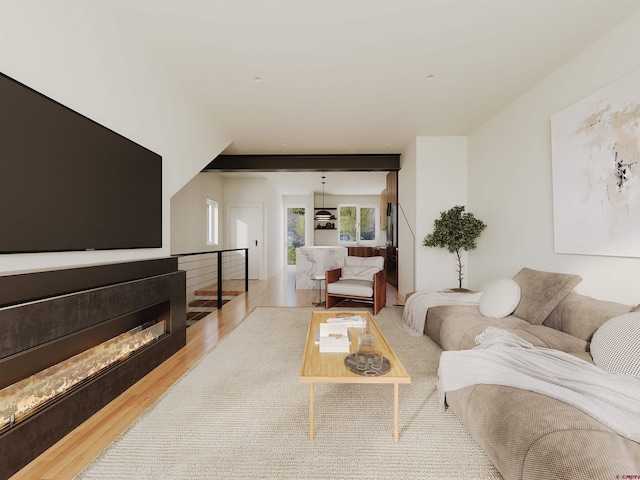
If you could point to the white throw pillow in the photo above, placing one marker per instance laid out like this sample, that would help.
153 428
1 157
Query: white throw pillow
500 298
615 346
358 273
377 262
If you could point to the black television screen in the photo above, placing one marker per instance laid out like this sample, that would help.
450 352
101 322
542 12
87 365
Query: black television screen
68 183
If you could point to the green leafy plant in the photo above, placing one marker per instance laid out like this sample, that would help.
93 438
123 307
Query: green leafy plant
455 230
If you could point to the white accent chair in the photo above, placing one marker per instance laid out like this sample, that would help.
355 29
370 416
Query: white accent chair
361 279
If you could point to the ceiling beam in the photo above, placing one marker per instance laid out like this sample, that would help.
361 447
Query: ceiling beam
305 163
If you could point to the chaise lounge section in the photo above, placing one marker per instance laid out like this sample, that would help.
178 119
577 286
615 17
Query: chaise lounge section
528 435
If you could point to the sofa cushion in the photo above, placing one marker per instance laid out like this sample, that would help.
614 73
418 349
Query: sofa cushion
614 346
455 327
580 315
540 293
542 336
530 436
355 288
377 262
500 298
358 273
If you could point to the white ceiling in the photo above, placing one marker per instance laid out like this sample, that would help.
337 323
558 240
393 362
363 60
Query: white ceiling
352 76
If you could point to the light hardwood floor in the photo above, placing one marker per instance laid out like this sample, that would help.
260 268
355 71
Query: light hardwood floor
70 455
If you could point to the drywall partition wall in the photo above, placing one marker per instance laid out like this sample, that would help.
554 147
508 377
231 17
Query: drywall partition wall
85 56
440 183
408 242
253 191
510 179
189 211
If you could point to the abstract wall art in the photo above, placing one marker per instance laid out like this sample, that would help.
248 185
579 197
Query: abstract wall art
596 172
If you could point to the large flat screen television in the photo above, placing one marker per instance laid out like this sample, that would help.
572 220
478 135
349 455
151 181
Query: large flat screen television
68 183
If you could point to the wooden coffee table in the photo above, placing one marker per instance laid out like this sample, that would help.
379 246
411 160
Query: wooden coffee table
330 368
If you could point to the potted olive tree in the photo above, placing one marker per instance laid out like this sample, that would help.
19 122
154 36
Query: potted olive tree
455 230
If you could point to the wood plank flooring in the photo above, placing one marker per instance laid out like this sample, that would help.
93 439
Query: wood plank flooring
70 455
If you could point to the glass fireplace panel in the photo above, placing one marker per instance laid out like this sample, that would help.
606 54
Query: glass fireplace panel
21 399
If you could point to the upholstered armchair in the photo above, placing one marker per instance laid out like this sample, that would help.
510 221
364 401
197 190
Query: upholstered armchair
361 279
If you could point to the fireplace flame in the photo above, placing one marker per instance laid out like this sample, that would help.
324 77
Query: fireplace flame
21 399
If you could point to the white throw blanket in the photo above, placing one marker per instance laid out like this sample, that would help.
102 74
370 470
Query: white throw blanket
503 358
415 309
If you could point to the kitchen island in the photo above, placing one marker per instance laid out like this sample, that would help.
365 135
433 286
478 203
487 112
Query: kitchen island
315 261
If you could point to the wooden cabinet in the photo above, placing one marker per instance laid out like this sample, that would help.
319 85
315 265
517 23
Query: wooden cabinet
392 230
391 266
392 187
383 210
383 253
362 252
388 195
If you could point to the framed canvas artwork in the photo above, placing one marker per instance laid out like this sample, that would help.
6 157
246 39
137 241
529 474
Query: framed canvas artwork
596 172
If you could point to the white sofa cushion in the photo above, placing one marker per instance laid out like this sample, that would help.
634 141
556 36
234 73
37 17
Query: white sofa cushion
356 288
358 273
500 298
377 262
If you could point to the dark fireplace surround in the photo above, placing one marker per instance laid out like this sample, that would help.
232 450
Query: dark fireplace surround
47 317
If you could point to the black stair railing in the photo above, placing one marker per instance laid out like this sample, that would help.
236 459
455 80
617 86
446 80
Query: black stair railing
222 271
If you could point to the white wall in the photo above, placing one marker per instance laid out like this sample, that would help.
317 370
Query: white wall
189 210
408 242
258 191
438 181
75 53
510 182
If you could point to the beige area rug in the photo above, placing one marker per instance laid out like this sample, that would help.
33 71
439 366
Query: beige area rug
242 413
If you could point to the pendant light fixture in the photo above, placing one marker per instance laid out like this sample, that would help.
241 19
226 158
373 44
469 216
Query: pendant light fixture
323 214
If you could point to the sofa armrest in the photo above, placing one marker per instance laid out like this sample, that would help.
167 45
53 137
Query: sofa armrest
380 279
333 275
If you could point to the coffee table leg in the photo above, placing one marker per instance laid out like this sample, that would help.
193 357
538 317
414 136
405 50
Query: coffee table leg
311 411
396 398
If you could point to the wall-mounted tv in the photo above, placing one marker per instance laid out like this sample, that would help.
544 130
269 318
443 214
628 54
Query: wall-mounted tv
68 183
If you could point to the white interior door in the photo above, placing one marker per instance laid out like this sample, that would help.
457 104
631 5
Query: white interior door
246 232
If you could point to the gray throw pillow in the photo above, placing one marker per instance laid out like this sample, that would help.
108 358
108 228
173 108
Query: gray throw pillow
540 293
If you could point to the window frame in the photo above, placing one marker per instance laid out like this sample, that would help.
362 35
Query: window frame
212 223
357 240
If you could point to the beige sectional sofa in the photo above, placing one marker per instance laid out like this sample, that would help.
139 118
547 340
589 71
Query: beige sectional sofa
525 434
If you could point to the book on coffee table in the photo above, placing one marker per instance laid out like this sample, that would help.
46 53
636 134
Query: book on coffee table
333 338
353 321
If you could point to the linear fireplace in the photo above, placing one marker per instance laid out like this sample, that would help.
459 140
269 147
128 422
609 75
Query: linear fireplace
24 398
85 339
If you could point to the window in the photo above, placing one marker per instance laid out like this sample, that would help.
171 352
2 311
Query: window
212 222
295 232
358 223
